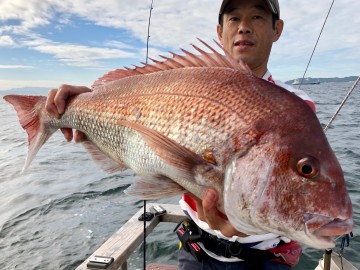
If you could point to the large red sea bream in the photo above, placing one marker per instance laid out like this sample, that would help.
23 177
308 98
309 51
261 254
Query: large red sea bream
193 122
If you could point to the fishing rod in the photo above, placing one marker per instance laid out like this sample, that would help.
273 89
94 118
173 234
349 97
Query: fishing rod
342 104
308 64
317 41
146 61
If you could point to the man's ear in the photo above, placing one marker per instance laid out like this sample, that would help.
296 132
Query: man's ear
279 26
219 32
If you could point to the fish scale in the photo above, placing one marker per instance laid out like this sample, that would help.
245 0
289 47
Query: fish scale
191 118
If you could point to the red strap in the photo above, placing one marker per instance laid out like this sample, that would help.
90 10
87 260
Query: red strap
190 201
288 253
311 104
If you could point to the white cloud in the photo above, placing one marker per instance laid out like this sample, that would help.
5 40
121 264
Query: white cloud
74 54
7 41
173 21
29 14
118 44
14 67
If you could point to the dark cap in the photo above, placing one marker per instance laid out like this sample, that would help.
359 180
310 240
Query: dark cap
273 4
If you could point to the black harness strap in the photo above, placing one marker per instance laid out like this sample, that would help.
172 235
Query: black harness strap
189 234
230 249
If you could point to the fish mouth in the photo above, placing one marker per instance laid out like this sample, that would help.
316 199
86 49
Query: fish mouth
327 229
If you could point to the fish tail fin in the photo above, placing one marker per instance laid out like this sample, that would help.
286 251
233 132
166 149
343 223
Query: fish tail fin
29 109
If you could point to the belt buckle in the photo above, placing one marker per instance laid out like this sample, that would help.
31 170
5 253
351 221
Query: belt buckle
234 249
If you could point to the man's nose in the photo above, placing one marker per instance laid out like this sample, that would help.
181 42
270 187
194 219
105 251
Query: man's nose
244 28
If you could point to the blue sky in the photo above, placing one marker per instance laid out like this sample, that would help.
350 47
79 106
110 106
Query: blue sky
44 43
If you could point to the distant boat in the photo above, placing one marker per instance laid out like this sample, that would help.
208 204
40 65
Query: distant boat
297 82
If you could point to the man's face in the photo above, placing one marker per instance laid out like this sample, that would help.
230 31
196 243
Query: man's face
248 34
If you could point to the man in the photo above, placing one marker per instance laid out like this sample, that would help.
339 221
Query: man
247 30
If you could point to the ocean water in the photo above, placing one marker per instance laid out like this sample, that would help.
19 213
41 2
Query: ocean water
64 206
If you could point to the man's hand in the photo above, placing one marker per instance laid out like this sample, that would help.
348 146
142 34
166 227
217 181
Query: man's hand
56 104
208 212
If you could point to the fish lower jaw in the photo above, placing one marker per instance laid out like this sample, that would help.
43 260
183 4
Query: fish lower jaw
325 236
318 242
325 230
330 232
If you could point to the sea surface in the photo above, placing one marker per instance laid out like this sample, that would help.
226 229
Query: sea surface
64 206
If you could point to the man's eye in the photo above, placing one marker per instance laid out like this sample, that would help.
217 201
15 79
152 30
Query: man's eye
257 17
234 19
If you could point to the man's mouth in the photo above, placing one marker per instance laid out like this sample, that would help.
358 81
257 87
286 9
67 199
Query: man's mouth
244 43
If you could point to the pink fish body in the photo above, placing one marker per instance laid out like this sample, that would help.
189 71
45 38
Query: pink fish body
193 122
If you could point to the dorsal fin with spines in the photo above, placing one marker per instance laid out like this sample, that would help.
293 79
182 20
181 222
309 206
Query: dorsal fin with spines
204 59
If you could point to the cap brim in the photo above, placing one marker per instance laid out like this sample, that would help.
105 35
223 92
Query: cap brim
273 4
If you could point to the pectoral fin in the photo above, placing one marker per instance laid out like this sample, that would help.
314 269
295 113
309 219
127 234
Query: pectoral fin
151 187
193 172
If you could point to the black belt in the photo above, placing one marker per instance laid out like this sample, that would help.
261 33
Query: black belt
228 249
190 234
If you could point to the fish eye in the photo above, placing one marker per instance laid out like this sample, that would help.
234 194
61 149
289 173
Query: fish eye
308 167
